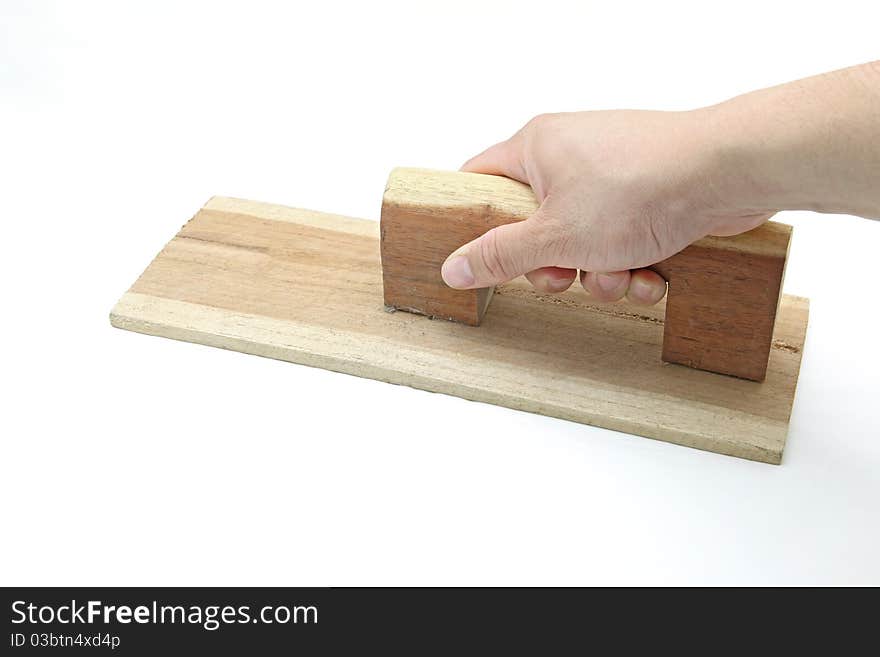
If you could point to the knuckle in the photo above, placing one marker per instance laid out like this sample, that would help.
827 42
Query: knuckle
538 123
536 120
495 260
566 242
554 239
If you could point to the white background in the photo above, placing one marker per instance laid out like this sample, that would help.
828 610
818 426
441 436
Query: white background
128 459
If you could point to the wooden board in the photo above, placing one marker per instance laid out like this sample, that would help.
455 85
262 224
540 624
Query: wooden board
306 287
723 295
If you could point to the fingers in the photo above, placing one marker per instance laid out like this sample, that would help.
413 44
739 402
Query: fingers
646 287
552 280
502 159
508 251
643 287
497 256
606 286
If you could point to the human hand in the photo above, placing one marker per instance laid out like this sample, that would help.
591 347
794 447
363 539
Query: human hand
618 191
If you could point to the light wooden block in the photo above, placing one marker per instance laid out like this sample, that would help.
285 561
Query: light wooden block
723 292
306 287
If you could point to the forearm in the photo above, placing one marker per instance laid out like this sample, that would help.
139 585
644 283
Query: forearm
813 144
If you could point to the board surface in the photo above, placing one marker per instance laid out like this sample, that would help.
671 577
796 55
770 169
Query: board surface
306 287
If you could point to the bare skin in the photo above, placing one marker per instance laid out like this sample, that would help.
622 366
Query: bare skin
621 190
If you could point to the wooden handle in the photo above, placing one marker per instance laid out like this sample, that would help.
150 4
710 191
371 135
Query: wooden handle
723 291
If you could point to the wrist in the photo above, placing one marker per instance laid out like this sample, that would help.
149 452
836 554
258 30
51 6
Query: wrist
738 150
805 145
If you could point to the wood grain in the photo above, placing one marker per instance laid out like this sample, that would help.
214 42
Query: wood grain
306 287
723 292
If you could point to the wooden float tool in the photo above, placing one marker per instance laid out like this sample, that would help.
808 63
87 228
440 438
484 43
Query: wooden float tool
308 287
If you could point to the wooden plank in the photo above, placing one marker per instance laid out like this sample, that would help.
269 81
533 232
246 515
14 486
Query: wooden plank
306 287
723 291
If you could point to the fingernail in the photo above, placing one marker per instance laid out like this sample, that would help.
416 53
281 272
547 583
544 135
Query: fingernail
641 291
607 282
558 284
457 272
640 288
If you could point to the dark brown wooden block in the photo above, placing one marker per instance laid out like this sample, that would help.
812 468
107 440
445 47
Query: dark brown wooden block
426 215
723 292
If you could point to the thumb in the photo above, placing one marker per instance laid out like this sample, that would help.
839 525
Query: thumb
497 256
502 159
